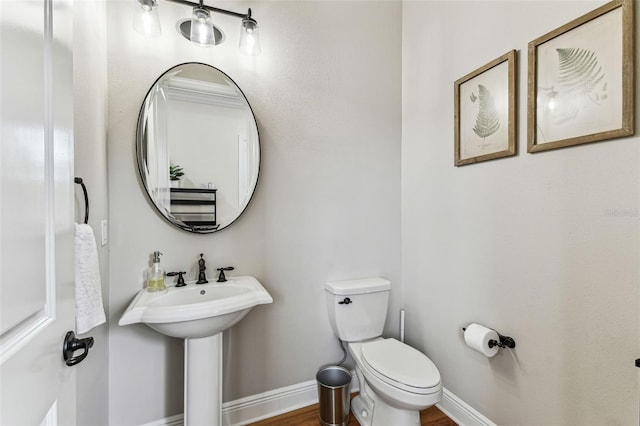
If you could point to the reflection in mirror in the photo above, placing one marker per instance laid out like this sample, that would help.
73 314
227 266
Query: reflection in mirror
198 148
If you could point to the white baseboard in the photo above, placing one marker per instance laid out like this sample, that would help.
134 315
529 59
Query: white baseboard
269 404
258 407
273 403
461 412
177 420
289 398
262 406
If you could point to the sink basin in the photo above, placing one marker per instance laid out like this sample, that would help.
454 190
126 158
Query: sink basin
196 310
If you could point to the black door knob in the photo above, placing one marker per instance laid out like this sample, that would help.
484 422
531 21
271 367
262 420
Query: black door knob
71 344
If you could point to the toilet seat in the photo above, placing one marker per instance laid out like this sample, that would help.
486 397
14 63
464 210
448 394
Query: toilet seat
401 366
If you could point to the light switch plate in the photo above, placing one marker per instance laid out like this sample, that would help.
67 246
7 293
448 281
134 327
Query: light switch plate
104 231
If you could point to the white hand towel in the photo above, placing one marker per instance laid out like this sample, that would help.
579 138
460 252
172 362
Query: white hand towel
89 308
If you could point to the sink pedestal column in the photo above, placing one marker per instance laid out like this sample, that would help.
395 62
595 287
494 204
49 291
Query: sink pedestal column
203 381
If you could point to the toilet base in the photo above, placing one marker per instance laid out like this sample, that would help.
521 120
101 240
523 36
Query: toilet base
374 411
361 411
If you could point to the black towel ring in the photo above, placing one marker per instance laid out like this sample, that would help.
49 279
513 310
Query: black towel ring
79 181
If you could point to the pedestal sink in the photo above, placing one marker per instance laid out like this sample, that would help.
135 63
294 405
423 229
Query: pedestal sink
199 313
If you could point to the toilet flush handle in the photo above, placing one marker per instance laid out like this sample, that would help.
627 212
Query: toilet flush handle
345 301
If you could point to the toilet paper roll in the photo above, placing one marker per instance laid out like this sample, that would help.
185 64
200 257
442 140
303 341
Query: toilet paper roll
477 337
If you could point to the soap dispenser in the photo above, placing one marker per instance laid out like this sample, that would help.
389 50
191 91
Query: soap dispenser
156 274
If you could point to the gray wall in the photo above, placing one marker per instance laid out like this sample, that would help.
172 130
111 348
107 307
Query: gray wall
327 96
90 134
543 247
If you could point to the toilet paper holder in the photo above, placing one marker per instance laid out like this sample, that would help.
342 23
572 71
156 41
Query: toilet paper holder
505 341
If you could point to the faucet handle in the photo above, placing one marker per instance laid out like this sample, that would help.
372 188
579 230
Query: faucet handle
221 277
180 282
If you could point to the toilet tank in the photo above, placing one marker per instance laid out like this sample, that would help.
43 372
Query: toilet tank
358 308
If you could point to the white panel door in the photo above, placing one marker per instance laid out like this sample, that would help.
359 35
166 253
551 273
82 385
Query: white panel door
36 212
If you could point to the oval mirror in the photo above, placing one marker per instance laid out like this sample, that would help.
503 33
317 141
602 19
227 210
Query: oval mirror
198 148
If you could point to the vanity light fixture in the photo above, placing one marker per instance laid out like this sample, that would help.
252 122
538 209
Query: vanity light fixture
202 28
145 18
249 36
199 29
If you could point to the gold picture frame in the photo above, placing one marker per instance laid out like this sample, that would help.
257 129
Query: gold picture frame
485 112
581 80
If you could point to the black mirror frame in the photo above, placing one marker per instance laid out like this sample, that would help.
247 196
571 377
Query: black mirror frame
140 156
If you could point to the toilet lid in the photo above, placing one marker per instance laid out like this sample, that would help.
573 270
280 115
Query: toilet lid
401 363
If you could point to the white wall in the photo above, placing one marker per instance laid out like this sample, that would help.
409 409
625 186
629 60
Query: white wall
543 247
90 134
327 94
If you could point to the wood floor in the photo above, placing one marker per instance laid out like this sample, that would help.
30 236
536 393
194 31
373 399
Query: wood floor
308 416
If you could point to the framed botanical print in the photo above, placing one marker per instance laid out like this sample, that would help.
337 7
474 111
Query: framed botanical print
485 112
581 80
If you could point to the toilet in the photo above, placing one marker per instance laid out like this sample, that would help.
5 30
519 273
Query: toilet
396 380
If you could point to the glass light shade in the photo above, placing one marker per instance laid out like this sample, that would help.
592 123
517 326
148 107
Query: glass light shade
145 17
249 37
202 28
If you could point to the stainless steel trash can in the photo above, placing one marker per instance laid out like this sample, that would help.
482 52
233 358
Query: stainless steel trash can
334 395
